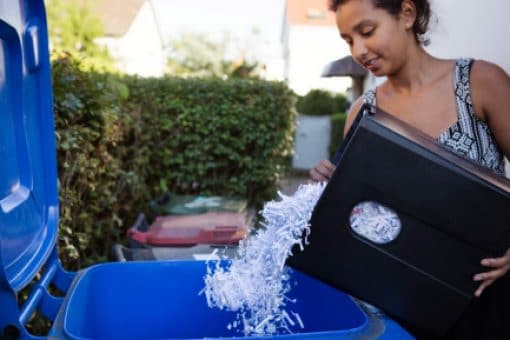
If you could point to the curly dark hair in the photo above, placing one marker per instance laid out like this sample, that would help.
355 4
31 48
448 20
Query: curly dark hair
394 7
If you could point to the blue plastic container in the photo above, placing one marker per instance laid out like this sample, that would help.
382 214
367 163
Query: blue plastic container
157 300
119 300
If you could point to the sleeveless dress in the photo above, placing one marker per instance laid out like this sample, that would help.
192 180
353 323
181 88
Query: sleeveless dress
469 137
487 317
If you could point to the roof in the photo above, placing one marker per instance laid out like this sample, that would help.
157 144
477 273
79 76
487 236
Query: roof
345 67
309 12
116 15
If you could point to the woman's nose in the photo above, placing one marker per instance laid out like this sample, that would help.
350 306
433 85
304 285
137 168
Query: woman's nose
359 50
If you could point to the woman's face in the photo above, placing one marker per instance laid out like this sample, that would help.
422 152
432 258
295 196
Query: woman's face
378 40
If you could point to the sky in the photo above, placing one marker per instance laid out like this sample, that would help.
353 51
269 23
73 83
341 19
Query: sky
239 16
214 17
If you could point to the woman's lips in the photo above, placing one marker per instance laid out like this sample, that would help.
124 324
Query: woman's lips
371 64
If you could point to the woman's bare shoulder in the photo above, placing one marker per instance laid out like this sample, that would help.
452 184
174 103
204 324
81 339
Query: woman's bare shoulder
487 73
490 86
489 83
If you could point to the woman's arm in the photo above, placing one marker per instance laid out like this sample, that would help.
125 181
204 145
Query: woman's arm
490 86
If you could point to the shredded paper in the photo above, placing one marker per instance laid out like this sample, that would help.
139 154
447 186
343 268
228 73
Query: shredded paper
255 283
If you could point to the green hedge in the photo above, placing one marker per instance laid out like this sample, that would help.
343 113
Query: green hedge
213 136
123 140
320 103
337 132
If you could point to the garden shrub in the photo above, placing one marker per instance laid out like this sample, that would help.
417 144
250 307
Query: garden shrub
212 136
337 131
341 104
123 140
320 102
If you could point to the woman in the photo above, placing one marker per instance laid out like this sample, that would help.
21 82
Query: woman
472 117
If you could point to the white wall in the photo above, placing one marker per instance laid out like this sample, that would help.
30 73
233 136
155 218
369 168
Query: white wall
471 28
310 49
140 50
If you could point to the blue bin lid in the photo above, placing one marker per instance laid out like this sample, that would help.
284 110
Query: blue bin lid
28 175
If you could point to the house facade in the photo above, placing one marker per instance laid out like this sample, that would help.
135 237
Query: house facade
310 41
132 36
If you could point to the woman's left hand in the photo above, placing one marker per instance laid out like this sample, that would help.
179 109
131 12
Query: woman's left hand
500 267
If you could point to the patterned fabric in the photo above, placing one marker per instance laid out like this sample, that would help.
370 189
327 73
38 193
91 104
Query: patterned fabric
469 136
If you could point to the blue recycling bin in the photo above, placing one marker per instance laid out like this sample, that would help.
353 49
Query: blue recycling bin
158 300
129 300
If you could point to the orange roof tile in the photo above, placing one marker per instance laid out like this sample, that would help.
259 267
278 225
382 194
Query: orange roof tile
309 12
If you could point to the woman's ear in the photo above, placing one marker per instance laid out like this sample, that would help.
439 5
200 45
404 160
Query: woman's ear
408 13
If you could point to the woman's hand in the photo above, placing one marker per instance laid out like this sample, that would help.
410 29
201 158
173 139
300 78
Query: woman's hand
322 171
500 267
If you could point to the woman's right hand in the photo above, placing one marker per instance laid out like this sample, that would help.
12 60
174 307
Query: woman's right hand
322 171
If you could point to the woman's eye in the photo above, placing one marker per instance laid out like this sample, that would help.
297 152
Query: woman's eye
367 32
347 40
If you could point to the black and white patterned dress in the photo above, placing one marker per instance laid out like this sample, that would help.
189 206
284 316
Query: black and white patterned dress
469 136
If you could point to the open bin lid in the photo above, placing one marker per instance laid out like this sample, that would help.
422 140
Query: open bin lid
28 175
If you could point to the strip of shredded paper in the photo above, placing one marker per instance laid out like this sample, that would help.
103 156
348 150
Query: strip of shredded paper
256 283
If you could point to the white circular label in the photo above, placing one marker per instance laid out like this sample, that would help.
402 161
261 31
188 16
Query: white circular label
375 222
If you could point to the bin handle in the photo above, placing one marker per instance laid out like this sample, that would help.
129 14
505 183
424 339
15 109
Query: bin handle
118 253
141 223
